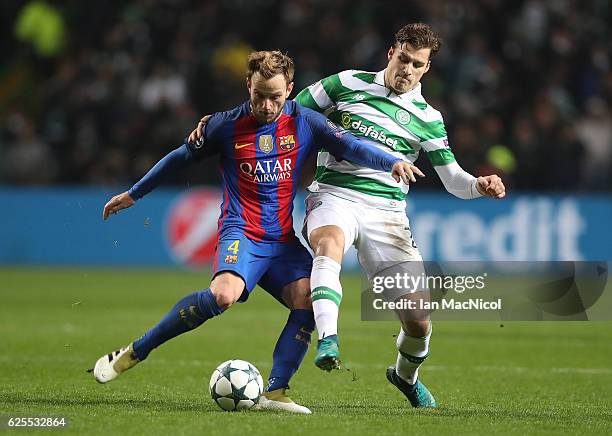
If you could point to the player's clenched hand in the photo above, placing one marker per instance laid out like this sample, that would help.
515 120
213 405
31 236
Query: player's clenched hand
115 204
491 186
405 171
196 134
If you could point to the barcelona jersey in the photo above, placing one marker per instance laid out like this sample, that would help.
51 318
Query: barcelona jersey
260 164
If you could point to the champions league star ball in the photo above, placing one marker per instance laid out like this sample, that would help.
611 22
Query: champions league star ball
236 385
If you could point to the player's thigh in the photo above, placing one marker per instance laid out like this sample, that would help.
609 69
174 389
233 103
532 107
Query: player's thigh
236 260
325 211
387 253
288 276
385 239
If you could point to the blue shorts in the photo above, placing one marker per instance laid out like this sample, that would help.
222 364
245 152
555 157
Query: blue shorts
269 265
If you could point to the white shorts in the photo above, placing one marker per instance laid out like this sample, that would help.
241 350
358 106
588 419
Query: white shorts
382 237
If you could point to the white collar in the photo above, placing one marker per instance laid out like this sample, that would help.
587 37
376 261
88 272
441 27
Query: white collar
414 92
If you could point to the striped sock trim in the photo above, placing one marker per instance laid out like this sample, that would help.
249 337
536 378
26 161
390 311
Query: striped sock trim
325 293
414 359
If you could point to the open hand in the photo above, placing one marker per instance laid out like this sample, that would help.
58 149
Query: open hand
115 204
405 171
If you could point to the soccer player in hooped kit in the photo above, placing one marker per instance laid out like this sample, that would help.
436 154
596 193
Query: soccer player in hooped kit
262 144
352 205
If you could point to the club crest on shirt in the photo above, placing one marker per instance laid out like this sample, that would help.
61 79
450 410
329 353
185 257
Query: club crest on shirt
231 258
402 116
346 120
286 143
265 143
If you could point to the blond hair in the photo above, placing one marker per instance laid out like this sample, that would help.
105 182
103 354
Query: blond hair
269 64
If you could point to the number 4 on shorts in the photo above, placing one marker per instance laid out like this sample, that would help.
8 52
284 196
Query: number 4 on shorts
234 246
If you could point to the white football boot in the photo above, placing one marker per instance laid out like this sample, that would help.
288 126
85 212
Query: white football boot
278 400
111 365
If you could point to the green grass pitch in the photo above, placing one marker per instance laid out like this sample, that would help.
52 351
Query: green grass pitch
522 378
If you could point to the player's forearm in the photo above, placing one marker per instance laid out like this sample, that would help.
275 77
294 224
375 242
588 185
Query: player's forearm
363 153
344 146
175 160
457 181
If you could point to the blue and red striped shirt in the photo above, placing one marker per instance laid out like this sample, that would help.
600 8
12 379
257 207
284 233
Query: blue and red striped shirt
260 165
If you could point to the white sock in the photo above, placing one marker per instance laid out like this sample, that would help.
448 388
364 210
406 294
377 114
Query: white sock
326 293
412 352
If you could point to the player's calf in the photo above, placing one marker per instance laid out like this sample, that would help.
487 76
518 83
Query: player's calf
412 352
413 349
187 314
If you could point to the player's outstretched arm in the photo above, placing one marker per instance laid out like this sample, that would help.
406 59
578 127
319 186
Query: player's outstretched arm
177 159
345 146
115 204
173 161
463 185
491 186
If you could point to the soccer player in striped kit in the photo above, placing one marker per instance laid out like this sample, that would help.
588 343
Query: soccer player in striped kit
388 108
262 145
354 205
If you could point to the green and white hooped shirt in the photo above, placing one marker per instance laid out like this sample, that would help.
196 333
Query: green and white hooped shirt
401 125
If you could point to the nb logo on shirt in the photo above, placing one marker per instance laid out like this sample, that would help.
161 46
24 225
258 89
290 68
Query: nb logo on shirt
239 146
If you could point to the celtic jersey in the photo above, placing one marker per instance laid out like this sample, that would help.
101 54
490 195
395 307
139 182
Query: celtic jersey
402 125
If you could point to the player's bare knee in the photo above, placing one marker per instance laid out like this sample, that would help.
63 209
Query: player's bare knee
226 288
416 328
225 298
328 241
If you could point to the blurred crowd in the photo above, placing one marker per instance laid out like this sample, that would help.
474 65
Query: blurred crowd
97 92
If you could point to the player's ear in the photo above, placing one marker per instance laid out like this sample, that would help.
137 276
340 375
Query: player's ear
248 83
290 88
427 66
390 53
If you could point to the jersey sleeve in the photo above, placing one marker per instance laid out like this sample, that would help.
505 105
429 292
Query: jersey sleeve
321 95
345 146
434 141
210 142
175 160
457 181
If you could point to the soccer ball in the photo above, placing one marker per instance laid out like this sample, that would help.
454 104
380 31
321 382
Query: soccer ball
236 385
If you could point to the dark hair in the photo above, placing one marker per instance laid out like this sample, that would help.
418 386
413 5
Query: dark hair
419 35
269 64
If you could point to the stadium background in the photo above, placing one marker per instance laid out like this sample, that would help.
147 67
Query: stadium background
93 93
